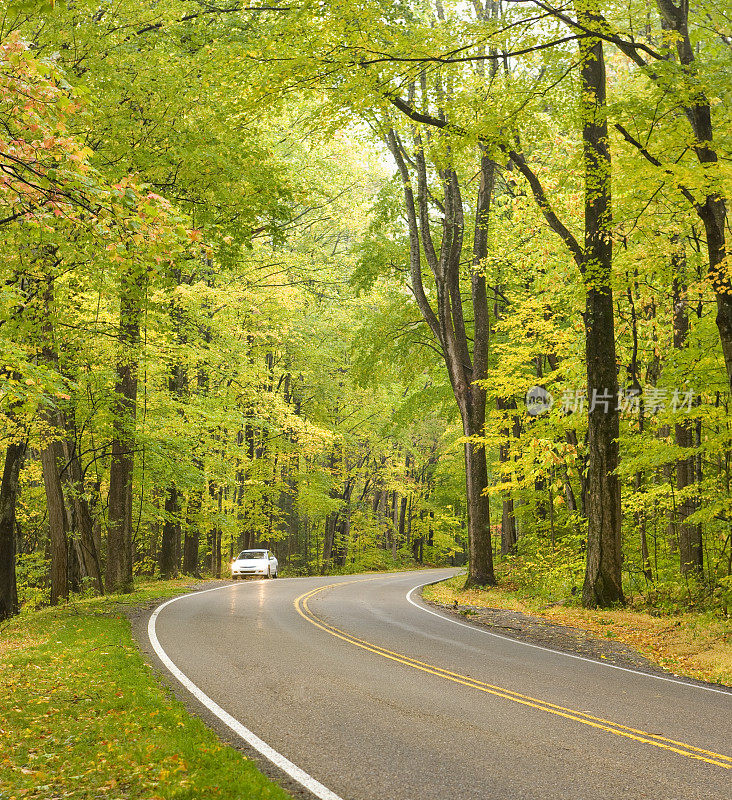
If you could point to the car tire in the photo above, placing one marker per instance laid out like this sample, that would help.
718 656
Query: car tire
276 575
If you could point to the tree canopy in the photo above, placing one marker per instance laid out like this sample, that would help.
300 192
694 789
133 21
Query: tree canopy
370 284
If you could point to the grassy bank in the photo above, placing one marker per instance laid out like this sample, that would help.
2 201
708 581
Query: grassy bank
693 644
83 716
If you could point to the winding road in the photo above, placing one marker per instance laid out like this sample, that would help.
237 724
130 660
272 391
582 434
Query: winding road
355 689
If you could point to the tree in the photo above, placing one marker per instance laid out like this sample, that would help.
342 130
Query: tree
296 298
8 497
446 320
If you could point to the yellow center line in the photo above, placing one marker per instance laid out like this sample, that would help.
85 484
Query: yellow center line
681 748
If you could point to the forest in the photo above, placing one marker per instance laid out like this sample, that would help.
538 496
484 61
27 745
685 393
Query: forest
372 284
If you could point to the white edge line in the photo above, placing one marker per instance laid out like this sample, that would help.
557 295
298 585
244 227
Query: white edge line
297 774
551 650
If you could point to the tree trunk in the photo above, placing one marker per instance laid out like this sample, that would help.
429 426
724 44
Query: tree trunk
508 527
447 320
191 539
190 550
634 374
331 520
603 580
50 456
246 436
508 520
571 437
713 211
509 533
51 463
724 322
178 538
88 545
691 552
124 408
8 500
342 529
168 559
80 521
330 527
178 388
603 584
219 534
343 535
640 518
402 518
480 552
394 524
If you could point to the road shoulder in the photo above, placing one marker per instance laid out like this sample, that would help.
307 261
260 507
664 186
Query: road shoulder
73 674
610 637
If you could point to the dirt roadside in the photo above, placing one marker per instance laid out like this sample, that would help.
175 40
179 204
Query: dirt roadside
544 632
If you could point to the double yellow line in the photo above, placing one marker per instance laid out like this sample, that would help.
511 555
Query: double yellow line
710 757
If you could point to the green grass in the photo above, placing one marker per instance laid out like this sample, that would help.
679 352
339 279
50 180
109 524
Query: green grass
83 716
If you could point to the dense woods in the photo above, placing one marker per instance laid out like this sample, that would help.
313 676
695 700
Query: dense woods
372 284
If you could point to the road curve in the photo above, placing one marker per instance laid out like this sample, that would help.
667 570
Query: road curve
374 698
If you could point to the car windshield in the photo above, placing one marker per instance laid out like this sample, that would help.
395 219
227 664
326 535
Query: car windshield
252 554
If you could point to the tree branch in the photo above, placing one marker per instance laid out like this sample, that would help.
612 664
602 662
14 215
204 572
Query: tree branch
537 189
545 207
155 26
492 56
656 163
415 260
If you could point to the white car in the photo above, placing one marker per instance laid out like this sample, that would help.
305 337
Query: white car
254 562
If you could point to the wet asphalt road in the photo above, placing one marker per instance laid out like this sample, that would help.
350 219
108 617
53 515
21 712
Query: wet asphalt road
379 700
